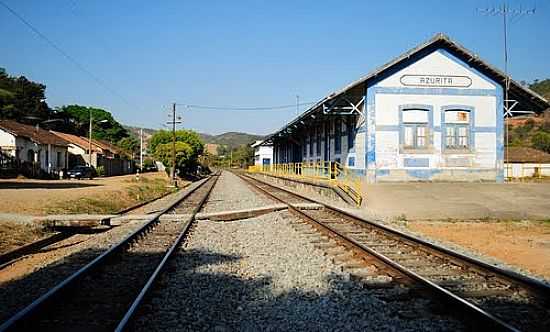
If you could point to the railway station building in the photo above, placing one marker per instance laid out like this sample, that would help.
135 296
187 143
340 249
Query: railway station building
435 113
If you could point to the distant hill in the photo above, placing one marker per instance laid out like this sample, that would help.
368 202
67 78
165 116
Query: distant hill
542 88
232 139
147 132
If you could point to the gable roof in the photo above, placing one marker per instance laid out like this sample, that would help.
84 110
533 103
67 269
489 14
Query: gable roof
528 98
35 134
106 146
256 143
81 142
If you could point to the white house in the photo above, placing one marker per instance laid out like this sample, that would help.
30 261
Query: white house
263 154
103 154
434 113
32 148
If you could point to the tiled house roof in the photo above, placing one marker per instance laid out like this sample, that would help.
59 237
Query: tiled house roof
38 135
77 140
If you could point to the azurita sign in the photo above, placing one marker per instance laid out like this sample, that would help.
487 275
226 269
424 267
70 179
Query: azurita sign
444 81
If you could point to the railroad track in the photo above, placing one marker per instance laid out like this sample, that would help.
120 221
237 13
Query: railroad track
105 294
484 296
21 252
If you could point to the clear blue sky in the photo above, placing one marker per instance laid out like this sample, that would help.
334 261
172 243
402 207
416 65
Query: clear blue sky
242 53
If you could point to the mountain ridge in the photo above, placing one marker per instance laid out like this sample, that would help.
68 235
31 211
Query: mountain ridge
230 138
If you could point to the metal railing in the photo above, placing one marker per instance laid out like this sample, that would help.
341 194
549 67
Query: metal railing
333 173
516 171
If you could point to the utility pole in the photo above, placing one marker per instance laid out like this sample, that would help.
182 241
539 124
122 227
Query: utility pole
90 141
173 123
141 149
173 169
506 12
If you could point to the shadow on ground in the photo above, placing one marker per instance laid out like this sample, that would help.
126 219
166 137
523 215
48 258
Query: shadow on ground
190 300
44 185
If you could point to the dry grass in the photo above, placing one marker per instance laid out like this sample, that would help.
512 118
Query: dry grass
13 235
133 192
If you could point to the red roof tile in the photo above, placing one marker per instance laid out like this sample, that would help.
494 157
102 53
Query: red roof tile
38 135
79 141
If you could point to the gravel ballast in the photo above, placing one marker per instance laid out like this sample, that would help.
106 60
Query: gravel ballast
262 274
31 277
231 193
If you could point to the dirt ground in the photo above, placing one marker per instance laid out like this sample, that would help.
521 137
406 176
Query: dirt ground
38 197
522 244
461 201
13 235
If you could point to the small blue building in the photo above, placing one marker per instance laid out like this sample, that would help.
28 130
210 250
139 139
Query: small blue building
435 113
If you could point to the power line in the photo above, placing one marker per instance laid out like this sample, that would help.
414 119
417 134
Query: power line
508 14
65 54
239 108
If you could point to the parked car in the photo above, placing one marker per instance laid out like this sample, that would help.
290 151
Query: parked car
80 172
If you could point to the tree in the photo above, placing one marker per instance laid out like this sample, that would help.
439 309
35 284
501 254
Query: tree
222 150
160 145
541 141
104 126
184 155
22 99
243 155
541 87
130 145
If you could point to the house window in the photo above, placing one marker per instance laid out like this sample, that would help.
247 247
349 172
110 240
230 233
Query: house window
415 129
415 135
338 136
457 129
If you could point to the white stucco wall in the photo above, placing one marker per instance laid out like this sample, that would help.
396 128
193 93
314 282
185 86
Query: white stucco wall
7 143
387 141
456 86
24 145
263 152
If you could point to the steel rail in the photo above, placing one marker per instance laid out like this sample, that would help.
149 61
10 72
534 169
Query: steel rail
11 256
40 303
487 318
526 281
14 255
123 324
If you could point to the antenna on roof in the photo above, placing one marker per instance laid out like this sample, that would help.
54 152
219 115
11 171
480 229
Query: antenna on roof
507 14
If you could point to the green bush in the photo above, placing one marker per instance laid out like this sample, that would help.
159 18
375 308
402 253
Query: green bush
100 170
541 141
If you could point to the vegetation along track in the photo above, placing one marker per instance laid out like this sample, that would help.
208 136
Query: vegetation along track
104 294
482 294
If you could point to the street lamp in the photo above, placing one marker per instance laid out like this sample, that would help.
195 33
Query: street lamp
90 139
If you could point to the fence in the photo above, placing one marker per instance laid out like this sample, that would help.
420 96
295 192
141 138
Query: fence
523 171
332 172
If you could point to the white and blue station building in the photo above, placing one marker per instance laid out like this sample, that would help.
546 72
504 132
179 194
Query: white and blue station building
435 113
